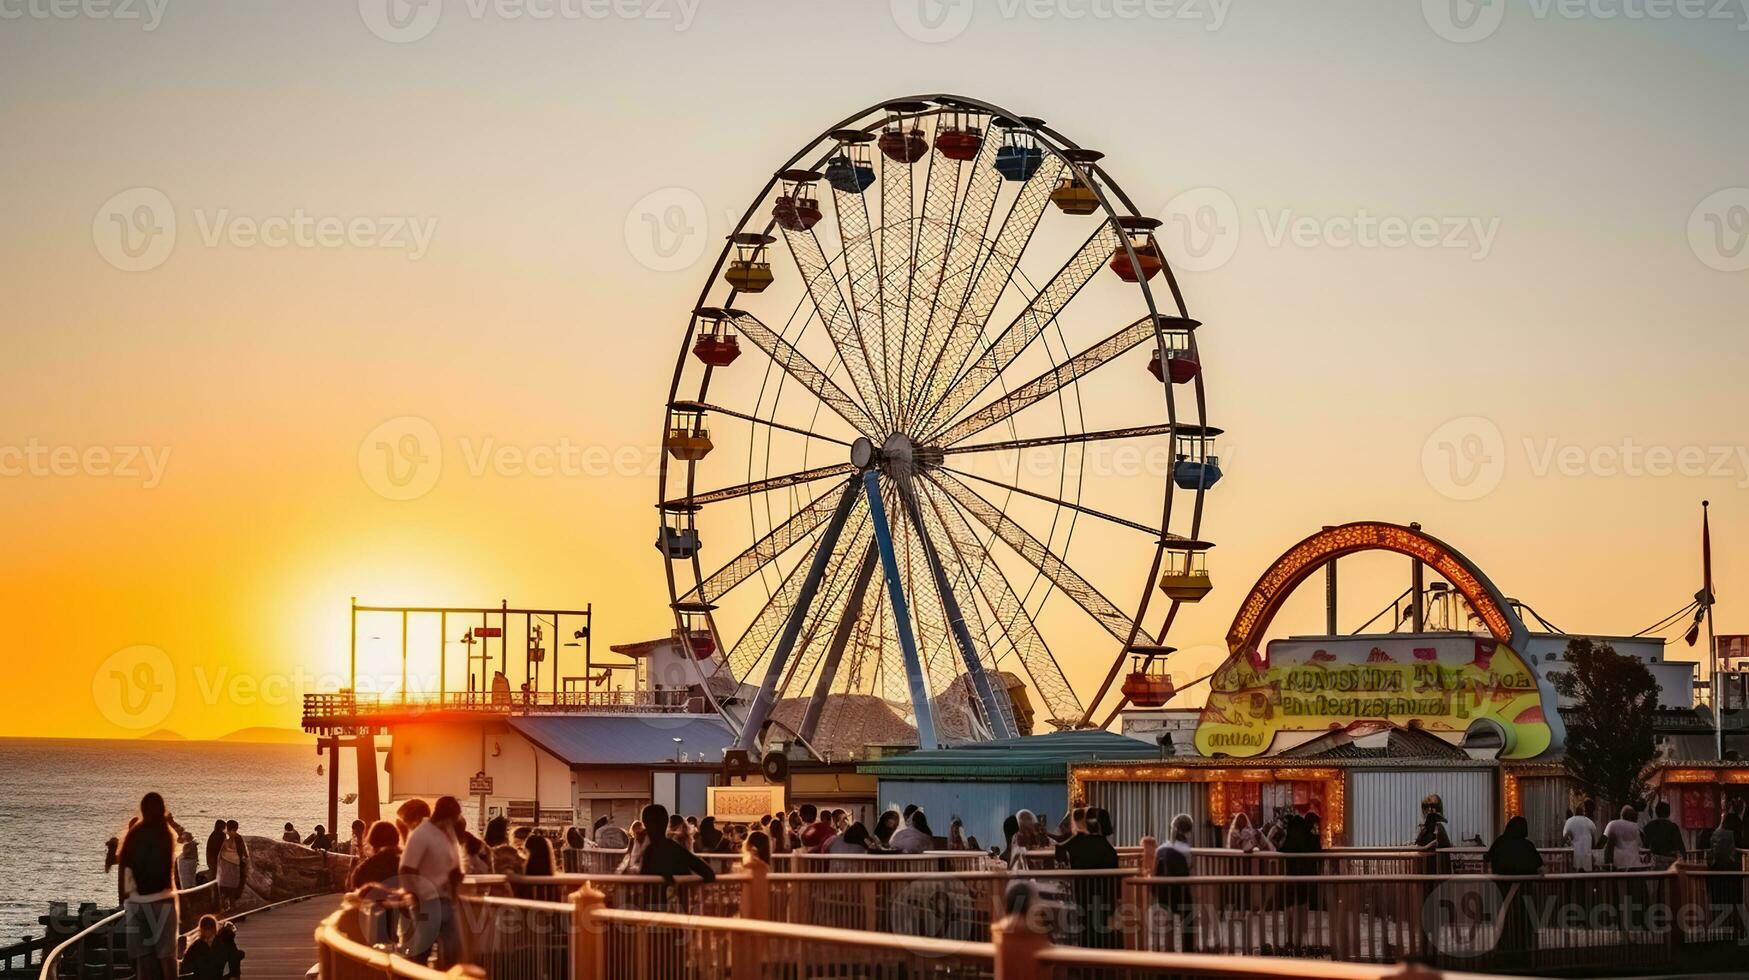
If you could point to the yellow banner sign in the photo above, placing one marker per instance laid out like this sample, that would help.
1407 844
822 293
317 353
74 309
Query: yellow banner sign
1444 685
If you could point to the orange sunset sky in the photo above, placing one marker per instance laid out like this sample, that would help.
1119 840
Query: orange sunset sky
186 450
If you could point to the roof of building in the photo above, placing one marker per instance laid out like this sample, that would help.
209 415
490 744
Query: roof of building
849 724
1039 758
628 739
1402 744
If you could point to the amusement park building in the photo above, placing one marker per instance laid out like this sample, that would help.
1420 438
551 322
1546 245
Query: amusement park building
1360 728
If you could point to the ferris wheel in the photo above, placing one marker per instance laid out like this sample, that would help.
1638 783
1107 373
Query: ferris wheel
883 437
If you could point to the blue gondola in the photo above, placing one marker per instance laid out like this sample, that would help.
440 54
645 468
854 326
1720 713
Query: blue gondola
1017 162
1191 474
851 177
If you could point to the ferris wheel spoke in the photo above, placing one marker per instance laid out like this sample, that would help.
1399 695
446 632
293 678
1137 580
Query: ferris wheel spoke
995 269
803 371
934 234
1011 617
1072 438
862 275
778 541
709 408
1046 384
896 242
965 246
1078 508
833 310
1026 328
1039 556
762 486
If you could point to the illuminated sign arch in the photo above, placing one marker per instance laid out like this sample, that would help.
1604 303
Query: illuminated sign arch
1302 560
1469 690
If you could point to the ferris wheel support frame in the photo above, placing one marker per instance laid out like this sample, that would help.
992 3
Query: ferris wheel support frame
760 710
914 676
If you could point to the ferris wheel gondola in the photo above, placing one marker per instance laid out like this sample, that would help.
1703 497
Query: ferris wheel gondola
872 557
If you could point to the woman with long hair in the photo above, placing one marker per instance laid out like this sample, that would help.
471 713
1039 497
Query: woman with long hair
148 854
634 859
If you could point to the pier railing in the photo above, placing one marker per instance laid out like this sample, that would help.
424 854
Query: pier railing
99 951
584 937
362 710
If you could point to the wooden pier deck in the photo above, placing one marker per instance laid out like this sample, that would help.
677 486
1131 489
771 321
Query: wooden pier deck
279 942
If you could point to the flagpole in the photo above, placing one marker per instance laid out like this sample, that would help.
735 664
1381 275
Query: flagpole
1715 690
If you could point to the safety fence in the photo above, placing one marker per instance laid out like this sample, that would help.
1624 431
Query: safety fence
99 951
585 939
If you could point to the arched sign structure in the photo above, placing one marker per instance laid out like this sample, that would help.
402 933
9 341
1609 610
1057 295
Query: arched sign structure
1455 686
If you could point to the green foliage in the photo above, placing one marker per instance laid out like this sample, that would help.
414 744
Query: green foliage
1609 726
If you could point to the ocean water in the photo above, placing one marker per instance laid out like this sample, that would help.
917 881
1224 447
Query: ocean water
60 800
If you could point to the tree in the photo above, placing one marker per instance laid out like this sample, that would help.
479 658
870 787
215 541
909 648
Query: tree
1609 726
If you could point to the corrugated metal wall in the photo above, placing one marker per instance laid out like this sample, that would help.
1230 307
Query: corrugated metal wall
1385 807
1544 801
980 806
1146 808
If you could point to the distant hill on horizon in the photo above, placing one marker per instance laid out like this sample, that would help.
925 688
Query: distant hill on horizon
259 734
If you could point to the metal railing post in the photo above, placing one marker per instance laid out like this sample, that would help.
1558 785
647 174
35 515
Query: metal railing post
588 951
1018 946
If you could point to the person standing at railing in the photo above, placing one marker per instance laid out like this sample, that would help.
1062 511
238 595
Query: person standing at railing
1241 836
886 825
916 838
187 860
233 867
1725 888
214 841
147 854
506 859
757 847
384 859
1176 859
1095 897
431 867
609 836
666 857
1663 838
1580 834
817 829
1621 841
710 839
1513 855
